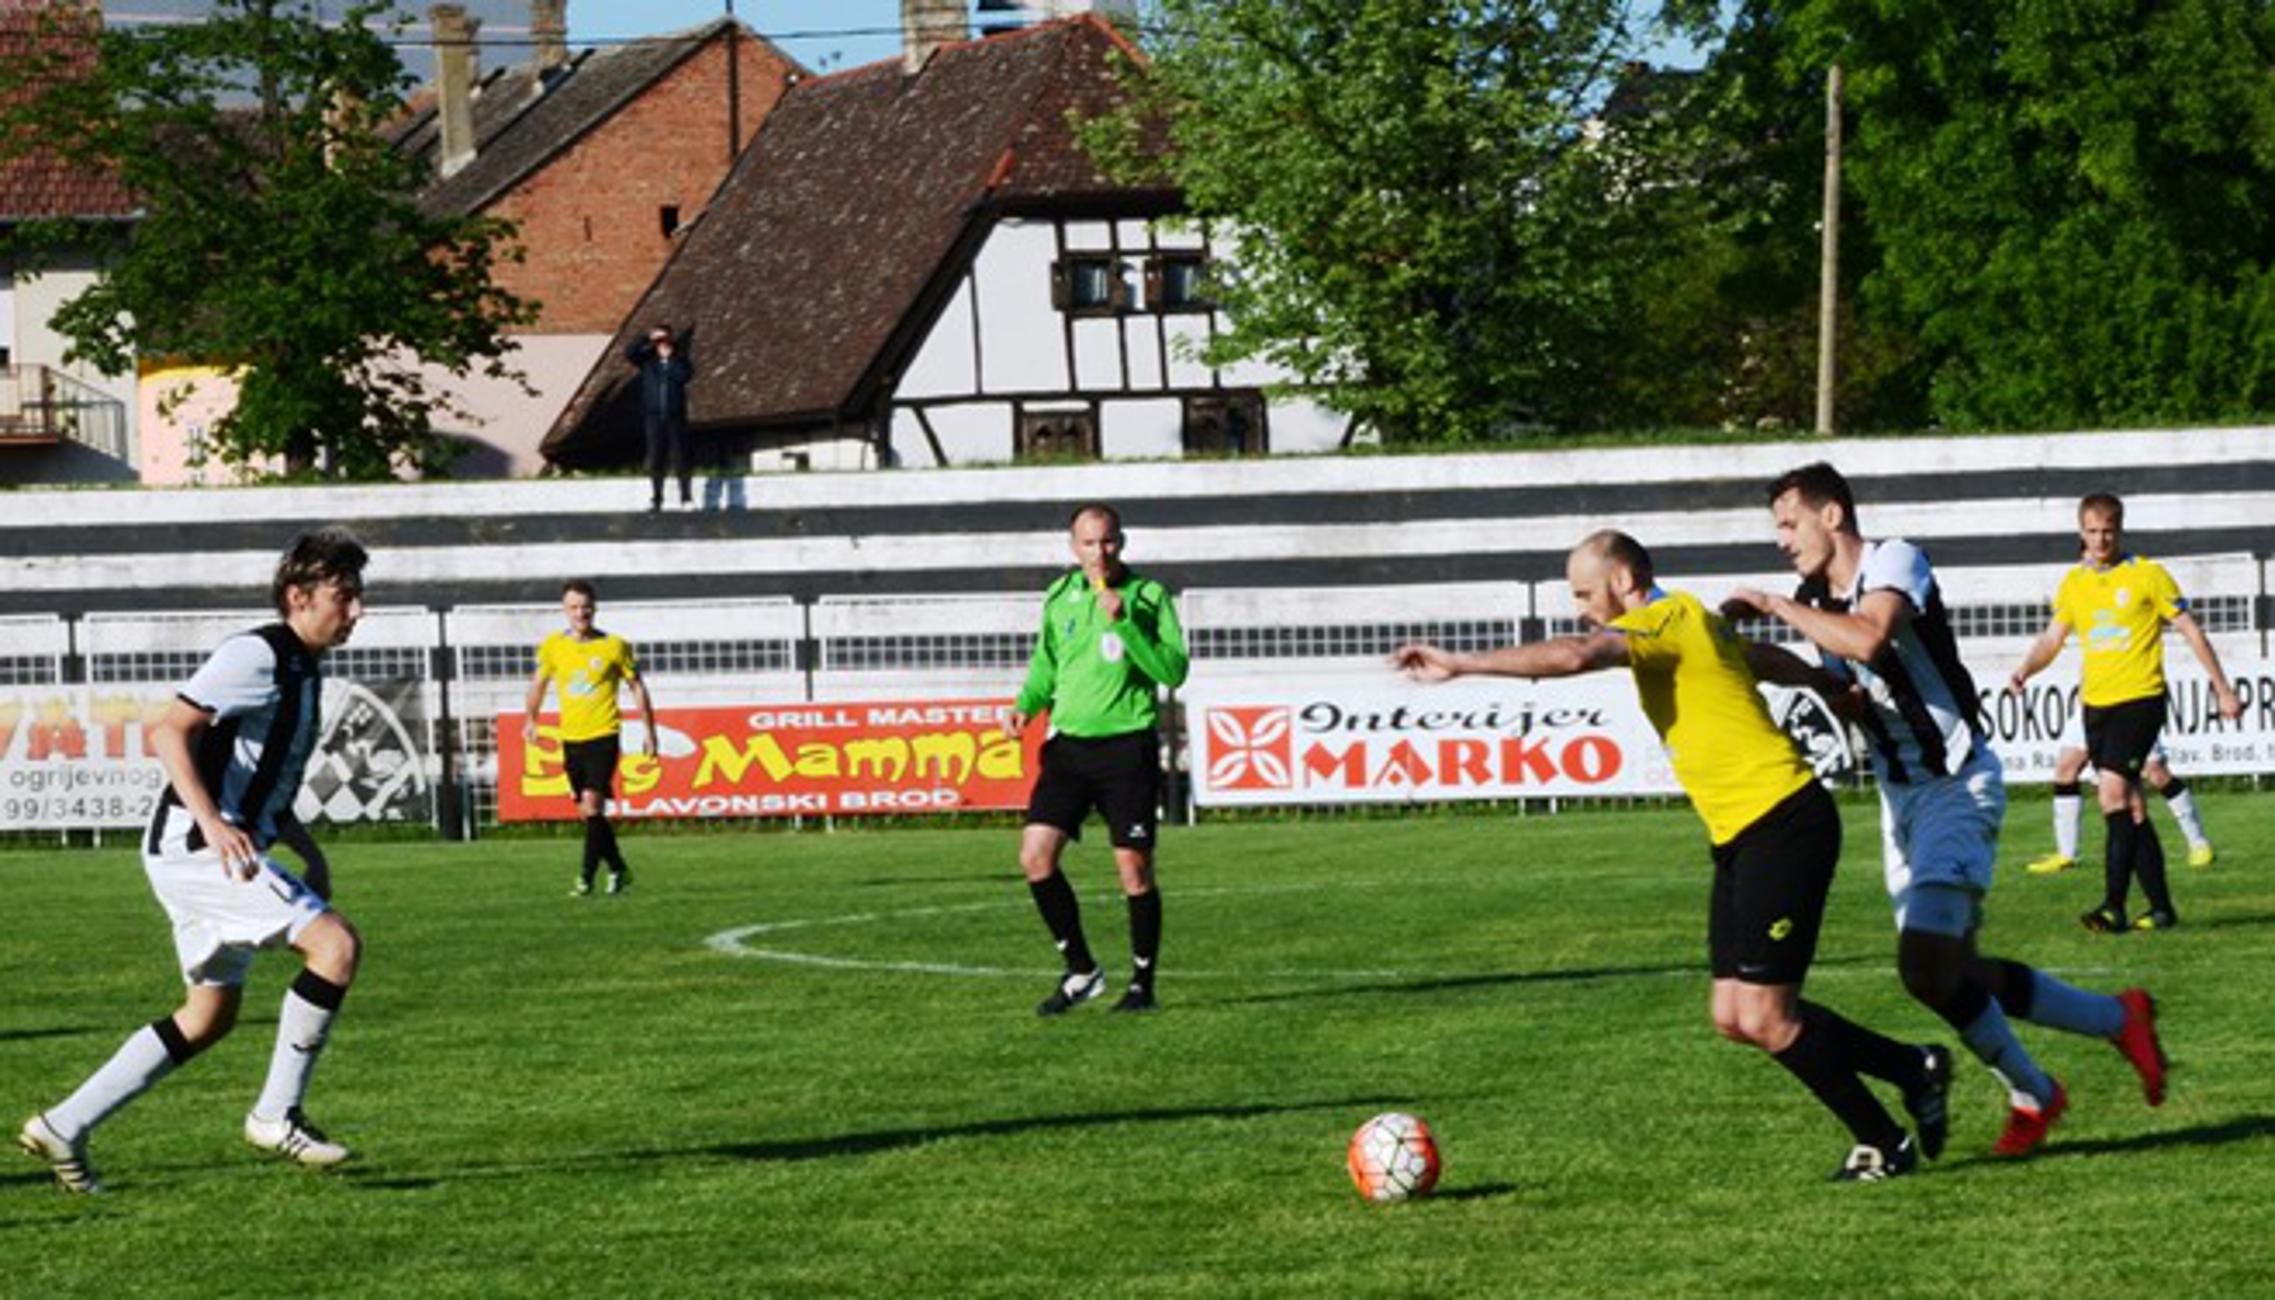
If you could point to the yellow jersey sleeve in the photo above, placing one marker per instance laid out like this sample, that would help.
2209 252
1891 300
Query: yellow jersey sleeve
2164 590
2069 602
1695 686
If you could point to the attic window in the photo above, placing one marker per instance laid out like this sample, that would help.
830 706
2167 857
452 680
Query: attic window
1089 286
669 214
1176 282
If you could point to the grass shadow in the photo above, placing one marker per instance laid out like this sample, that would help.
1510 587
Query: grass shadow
1482 1192
58 1031
861 1144
367 1184
1500 979
2201 921
2243 1128
982 878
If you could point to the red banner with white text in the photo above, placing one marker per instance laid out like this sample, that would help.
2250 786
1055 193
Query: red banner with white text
885 756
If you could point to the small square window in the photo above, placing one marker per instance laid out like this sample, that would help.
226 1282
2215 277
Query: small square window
1177 282
1089 286
1058 435
669 216
1230 425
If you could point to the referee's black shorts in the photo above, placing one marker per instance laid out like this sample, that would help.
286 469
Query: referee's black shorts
1770 883
1120 776
2118 737
591 765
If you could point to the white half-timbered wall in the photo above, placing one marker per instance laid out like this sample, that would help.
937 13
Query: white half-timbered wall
1000 348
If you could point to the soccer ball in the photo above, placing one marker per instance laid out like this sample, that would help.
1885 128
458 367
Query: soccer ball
1392 1157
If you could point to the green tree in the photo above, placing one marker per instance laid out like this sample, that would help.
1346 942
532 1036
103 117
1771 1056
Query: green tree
1719 321
279 230
2073 204
1424 221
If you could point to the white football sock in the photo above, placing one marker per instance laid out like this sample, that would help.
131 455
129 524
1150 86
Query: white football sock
301 1030
2183 807
141 1061
2066 807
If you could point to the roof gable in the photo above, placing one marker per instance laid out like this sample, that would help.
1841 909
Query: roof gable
823 242
523 119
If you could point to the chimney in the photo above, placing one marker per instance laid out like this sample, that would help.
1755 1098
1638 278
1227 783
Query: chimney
456 67
549 34
926 25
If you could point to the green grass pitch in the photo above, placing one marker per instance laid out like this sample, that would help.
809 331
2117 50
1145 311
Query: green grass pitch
558 1097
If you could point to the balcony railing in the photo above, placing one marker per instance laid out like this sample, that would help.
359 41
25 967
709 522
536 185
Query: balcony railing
41 406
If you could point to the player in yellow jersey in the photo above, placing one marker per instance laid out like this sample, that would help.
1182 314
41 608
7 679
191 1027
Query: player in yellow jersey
2119 605
590 666
1775 836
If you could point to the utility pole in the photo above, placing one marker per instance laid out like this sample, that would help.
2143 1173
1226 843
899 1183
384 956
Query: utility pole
1829 271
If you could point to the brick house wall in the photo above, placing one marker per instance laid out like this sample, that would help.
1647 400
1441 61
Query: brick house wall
591 219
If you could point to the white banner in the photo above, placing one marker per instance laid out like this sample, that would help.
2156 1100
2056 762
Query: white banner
2027 731
75 757
1380 739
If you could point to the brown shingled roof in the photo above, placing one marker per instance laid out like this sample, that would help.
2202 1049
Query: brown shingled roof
522 119
39 183
818 253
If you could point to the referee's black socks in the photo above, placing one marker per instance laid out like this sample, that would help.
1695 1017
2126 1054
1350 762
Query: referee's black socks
1145 938
1054 898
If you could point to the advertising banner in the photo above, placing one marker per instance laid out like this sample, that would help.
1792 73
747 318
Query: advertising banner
1379 739
1382 740
789 760
79 757
2027 730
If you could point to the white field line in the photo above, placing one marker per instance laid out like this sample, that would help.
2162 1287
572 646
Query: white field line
735 943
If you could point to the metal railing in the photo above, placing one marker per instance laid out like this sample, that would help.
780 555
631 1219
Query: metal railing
40 404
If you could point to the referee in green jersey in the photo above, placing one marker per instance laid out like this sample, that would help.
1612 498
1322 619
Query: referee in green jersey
1109 643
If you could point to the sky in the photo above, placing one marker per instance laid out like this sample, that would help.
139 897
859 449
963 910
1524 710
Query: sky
824 35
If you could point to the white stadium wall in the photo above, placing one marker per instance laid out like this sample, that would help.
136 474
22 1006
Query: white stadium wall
1298 575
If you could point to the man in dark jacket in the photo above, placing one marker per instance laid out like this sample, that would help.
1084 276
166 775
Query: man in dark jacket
664 374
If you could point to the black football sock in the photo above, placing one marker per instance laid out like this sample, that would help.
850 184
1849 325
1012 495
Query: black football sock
1816 1059
1871 1052
609 853
1145 939
595 827
2148 864
2117 860
1054 898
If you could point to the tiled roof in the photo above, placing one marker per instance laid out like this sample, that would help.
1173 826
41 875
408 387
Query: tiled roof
821 245
39 182
522 119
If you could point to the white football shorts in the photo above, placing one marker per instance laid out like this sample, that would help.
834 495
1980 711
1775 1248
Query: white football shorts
1941 835
220 922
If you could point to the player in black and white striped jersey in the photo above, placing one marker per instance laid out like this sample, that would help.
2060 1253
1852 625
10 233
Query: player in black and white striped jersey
234 744
1875 613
